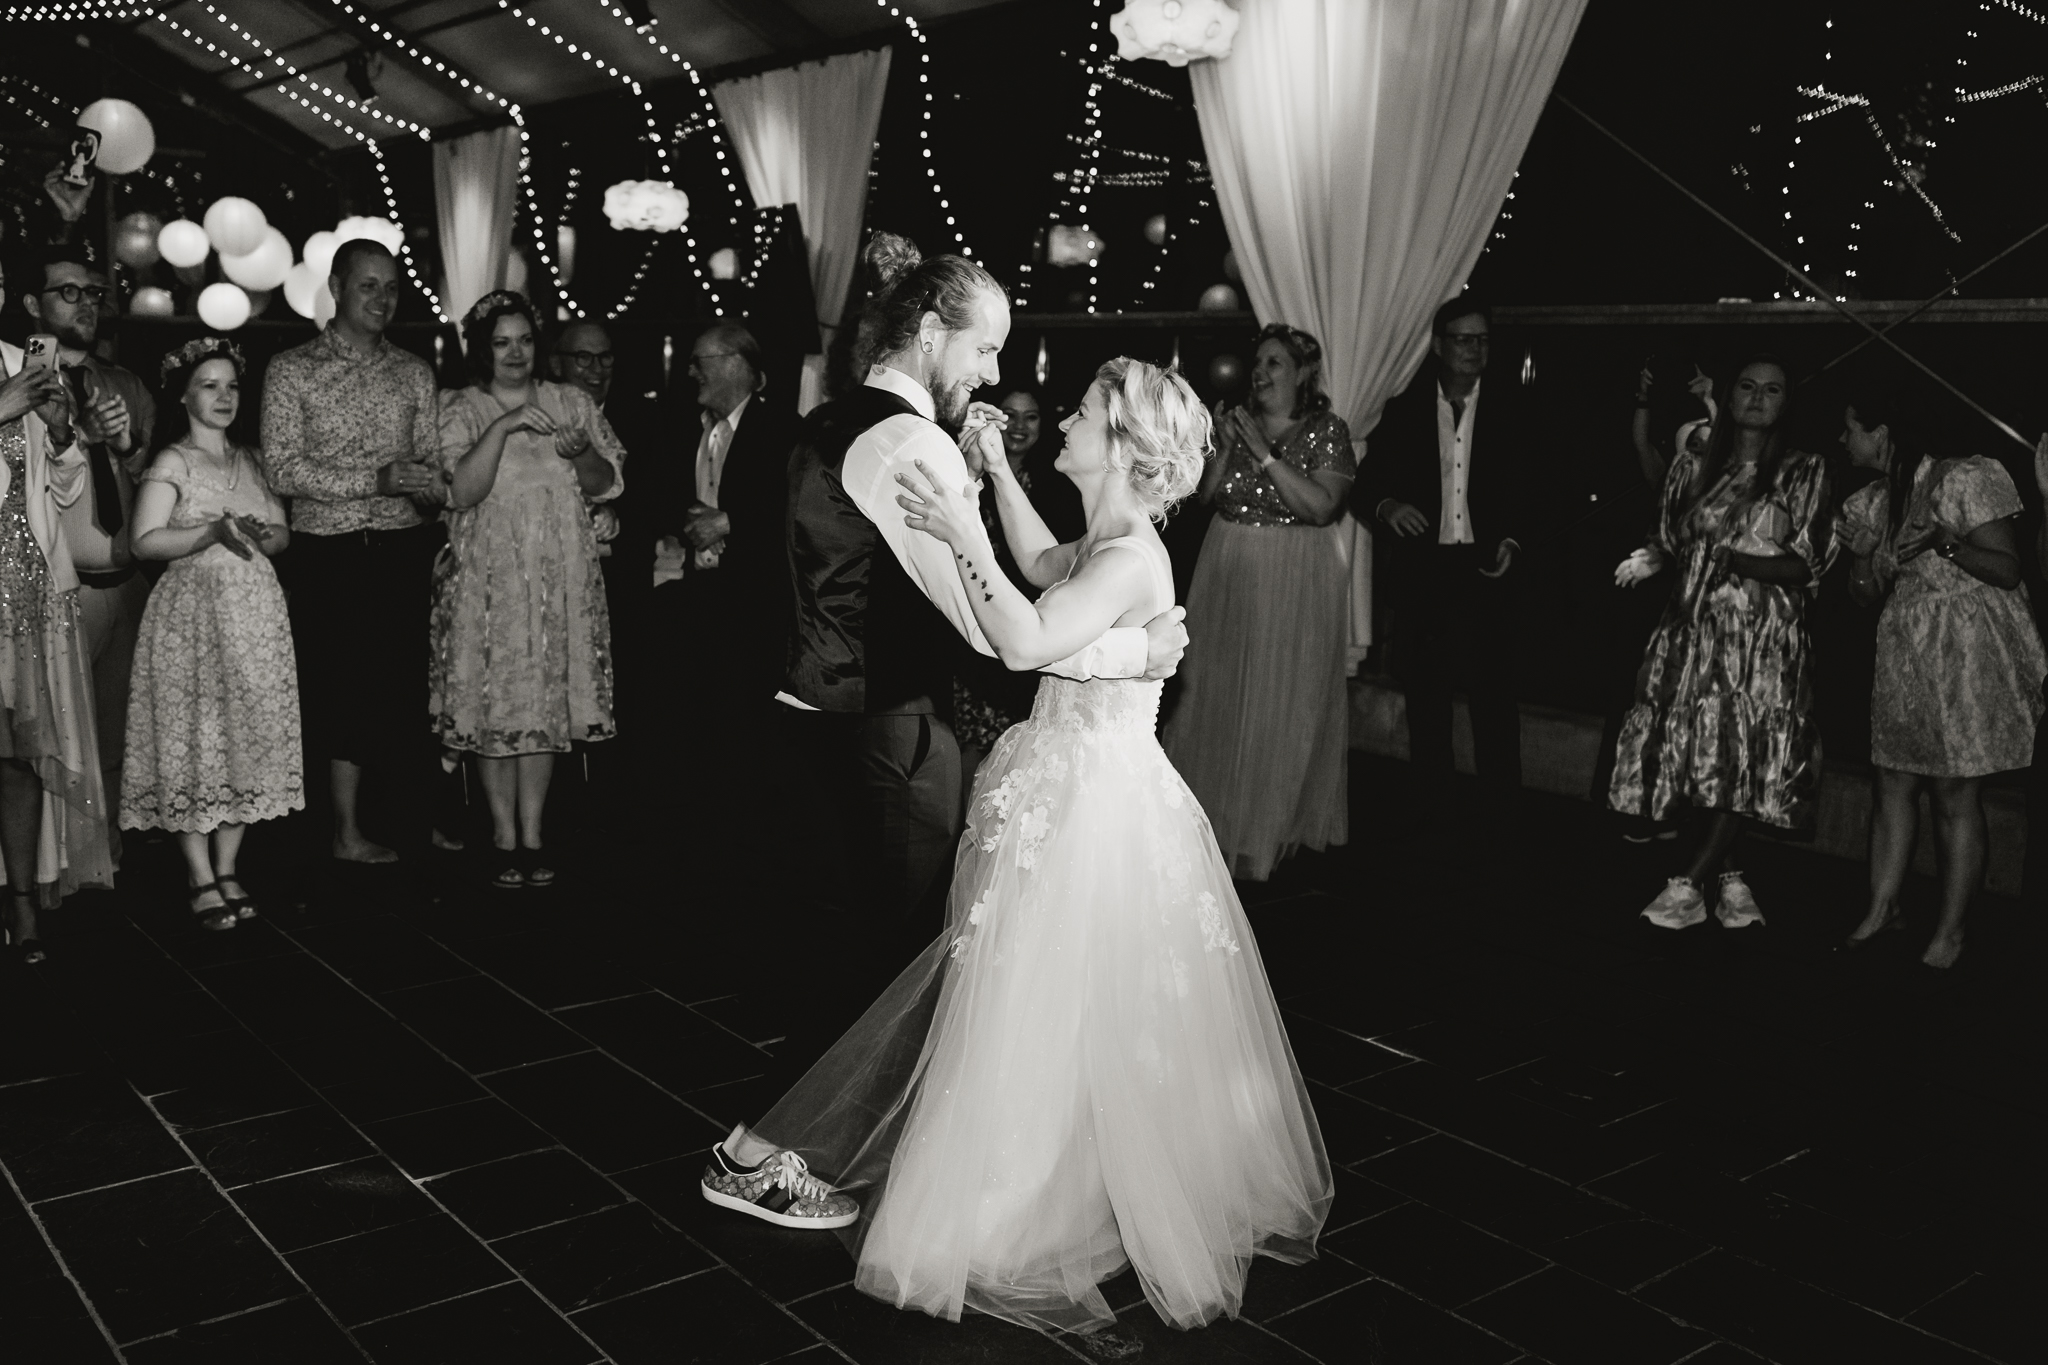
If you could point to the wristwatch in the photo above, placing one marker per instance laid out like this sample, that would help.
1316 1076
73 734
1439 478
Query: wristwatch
1947 549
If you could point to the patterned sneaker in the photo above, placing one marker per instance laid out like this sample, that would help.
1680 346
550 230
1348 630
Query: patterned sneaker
780 1189
1736 908
1678 906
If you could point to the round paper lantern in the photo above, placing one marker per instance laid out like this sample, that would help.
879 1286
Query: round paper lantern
151 302
1226 372
234 226
646 206
1230 271
259 299
183 243
319 254
135 240
1155 229
376 229
517 271
126 139
1066 245
302 283
1219 298
725 264
223 307
263 268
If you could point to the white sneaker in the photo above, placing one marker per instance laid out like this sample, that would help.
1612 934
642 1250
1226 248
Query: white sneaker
1678 906
1736 908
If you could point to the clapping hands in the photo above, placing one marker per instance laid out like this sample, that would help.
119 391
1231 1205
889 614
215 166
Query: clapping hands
240 533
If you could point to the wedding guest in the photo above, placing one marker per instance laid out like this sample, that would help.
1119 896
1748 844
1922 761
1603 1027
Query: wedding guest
213 731
116 416
1723 721
987 697
1261 729
1959 660
1444 487
54 832
522 664
349 436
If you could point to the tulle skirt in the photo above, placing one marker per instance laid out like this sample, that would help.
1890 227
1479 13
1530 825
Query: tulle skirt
1087 1070
1262 729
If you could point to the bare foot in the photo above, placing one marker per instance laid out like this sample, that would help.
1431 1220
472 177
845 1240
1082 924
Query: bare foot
1874 923
361 850
1943 952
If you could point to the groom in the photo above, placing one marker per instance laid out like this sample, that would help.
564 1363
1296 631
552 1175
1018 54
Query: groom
874 803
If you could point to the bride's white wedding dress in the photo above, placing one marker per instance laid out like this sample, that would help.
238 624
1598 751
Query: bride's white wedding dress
1087 1070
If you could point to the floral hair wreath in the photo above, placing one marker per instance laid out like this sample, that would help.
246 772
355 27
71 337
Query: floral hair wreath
497 298
199 349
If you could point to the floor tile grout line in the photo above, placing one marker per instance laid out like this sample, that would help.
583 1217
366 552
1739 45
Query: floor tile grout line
1548 1264
308 1170
50 1245
252 1118
208 1322
229 1200
112 1184
586 1004
650 1288
812 1294
1363 1276
1306 1353
521 1066
423 1307
625 1202
417 1183
1673 1270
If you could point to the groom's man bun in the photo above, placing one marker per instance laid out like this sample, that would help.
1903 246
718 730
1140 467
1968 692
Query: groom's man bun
906 287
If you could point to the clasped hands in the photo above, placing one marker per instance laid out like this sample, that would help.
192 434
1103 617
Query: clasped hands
237 531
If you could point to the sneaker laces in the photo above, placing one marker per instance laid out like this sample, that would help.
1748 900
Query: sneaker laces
793 1173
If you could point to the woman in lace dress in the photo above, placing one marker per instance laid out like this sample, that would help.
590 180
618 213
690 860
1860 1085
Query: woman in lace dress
1722 729
1262 726
1087 1070
213 716
522 664
1957 689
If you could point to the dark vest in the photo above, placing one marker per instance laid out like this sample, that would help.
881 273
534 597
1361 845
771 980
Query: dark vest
866 641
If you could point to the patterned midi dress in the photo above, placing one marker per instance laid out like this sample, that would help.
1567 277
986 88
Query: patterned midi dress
1723 716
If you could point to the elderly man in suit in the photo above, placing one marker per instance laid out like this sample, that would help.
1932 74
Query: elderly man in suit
1442 484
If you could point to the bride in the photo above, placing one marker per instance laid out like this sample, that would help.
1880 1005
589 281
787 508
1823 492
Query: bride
1087 1070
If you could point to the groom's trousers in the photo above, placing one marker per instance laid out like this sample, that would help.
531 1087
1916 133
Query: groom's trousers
869 822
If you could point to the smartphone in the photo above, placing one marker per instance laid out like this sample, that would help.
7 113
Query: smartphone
40 351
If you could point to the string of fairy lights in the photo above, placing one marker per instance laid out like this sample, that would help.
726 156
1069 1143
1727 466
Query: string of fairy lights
924 131
286 70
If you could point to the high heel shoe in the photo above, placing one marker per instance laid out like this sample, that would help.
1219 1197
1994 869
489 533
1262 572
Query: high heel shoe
214 917
243 905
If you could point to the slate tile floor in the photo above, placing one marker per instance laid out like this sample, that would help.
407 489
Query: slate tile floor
402 1120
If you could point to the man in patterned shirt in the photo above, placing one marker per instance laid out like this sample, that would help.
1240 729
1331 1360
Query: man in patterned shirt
350 436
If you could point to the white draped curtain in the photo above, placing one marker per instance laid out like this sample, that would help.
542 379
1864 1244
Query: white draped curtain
805 136
475 180
1360 150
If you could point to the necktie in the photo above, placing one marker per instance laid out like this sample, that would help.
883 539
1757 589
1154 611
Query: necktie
106 491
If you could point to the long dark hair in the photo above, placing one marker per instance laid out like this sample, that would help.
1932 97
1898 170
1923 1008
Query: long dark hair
1721 444
1878 404
906 288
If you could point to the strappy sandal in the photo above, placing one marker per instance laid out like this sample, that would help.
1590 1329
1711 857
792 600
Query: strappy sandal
29 950
539 875
215 917
511 870
243 906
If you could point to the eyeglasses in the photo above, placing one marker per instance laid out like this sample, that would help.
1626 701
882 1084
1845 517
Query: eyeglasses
591 359
1466 338
697 359
72 293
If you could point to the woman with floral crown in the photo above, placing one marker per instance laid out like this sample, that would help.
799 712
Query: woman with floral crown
213 720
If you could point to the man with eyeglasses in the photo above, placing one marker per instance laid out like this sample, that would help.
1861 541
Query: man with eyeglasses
114 415
1442 484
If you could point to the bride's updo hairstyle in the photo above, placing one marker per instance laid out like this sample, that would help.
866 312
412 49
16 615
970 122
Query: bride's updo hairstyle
906 287
1159 432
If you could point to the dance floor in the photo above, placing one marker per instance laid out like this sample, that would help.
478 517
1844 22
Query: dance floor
405 1120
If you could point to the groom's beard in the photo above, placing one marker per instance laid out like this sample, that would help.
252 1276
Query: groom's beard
949 402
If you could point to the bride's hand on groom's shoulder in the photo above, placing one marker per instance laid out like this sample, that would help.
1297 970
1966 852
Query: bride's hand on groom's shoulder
951 515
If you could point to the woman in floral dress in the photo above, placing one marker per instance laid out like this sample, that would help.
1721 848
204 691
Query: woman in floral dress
213 720
1723 720
1957 691
522 662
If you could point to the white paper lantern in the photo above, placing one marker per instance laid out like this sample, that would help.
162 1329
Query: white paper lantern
376 229
183 243
234 226
263 268
259 300
126 139
1174 31
1072 246
151 302
302 284
223 307
725 264
1219 298
1155 229
319 253
646 206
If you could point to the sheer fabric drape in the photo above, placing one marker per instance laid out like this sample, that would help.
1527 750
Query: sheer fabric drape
475 178
1360 150
805 135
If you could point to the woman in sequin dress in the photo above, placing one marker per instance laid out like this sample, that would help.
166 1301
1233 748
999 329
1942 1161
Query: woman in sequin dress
522 660
1261 730
1723 721
53 813
213 717
1957 689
